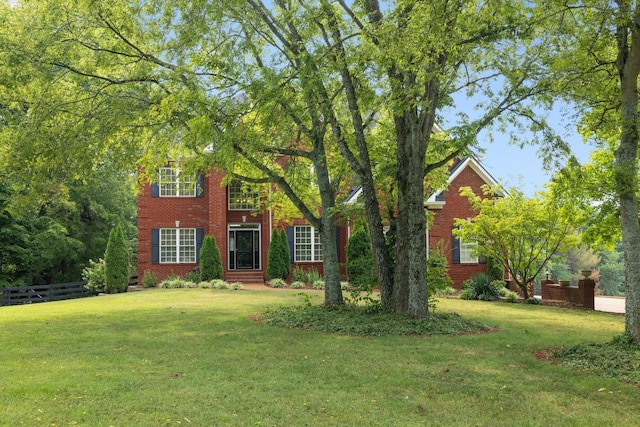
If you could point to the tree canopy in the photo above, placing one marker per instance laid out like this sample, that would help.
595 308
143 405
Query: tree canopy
524 234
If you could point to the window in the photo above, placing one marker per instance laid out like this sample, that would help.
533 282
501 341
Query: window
467 252
241 198
172 183
307 245
177 245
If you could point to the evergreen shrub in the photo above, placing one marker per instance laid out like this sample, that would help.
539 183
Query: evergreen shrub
116 263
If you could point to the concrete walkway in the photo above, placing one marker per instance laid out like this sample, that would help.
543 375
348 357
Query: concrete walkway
610 304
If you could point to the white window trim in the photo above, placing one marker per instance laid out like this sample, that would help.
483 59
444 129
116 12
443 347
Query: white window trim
251 205
314 234
188 189
178 231
468 247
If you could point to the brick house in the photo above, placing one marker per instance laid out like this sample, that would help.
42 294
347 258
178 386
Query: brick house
174 215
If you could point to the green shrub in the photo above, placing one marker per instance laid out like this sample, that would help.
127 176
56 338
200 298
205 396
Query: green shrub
318 284
192 276
297 285
313 275
438 279
345 286
446 292
481 287
149 279
360 260
277 283
205 285
276 265
286 254
495 269
236 286
189 284
299 275
172 283
116 263
94 275
210 262
219 284
510 296
533 300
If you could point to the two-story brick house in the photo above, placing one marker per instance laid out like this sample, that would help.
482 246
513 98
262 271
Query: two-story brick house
174 215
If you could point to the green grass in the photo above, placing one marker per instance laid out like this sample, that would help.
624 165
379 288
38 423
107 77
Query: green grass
194 357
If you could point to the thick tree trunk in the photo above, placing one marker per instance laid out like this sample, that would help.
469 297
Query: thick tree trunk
332 289
410 285
378 243
626 157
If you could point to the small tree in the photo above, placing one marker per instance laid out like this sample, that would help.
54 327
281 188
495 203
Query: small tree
524 234
210 261
275 267
360 260
116 263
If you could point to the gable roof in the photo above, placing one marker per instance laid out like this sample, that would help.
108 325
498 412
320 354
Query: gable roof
435 201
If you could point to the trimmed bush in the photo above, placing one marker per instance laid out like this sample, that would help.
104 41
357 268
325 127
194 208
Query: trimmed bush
236 286
318 284
286 254
116 263
210 262
278 267
277 283
297 285
360 260
219 284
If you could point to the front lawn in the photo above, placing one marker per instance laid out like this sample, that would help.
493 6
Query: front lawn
196 357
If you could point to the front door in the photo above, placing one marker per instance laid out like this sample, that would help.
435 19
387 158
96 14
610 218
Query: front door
244 248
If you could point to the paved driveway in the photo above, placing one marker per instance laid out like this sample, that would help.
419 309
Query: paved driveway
610 304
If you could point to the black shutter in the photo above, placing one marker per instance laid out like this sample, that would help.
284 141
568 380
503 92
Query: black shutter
455 248
155 246
200 185
155 190
291 242
199 239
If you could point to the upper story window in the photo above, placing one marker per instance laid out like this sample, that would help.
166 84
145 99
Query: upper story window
307 246
173 183
242 198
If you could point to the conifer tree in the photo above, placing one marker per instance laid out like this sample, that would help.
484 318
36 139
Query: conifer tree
286 254
210 261
275 268
116 263
360 260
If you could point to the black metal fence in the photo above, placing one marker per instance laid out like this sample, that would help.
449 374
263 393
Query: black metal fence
44 293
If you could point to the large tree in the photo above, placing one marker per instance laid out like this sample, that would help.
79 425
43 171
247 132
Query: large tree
597 66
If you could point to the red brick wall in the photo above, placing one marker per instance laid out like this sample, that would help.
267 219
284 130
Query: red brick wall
209 212
456 206
163 212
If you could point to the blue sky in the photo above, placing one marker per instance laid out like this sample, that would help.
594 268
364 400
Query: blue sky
521 168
